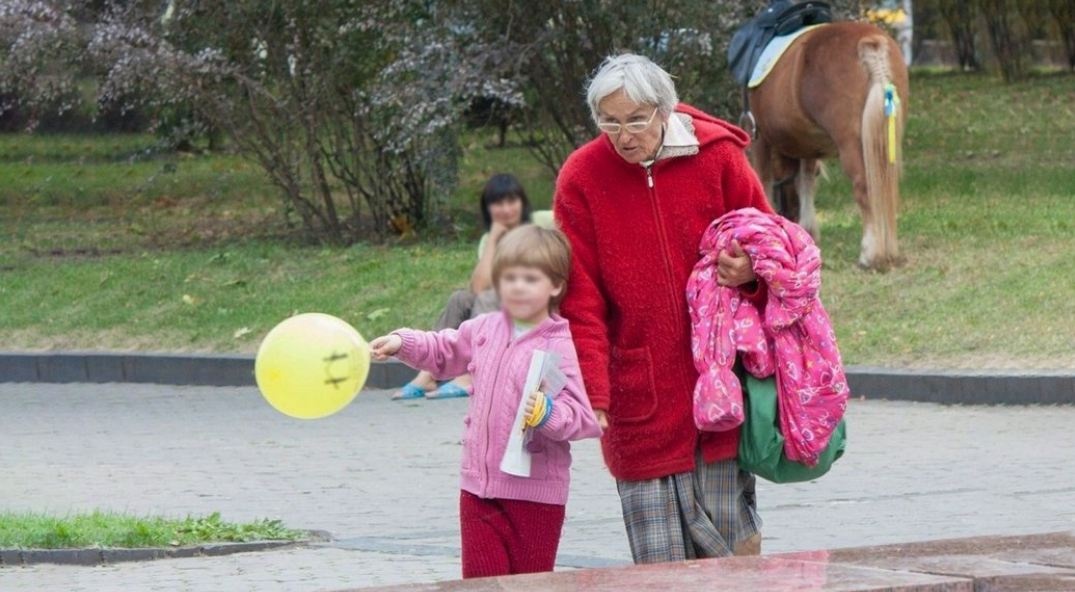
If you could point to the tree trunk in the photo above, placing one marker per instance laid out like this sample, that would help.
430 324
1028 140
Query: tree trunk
959 17
1063 13
1008 42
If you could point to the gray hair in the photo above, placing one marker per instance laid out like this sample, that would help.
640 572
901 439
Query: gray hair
644 82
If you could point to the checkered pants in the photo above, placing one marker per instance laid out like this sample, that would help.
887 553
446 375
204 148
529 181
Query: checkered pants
703 513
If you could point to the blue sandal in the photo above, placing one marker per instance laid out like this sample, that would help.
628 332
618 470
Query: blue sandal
409 391
448 390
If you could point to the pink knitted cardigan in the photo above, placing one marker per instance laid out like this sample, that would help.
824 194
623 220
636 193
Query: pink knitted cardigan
791 336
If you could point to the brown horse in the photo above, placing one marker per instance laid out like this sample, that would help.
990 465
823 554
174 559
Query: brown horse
824 98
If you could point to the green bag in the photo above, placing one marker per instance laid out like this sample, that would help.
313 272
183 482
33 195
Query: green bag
761 445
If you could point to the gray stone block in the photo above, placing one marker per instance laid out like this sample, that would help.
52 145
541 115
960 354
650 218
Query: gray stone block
10 557
190 370
389 375
1010 389
963 387
229 548
1056 390
123 555
396 374
64 556
18 368
62 368
960 388
928 388
184 552
104 368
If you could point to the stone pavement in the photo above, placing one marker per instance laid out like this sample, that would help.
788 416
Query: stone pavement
381 477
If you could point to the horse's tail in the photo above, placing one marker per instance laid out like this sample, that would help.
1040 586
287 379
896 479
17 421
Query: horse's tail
881 152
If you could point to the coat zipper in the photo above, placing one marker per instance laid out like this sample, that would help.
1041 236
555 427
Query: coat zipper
662 236
488 413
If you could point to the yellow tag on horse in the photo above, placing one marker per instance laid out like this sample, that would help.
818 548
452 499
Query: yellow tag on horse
892 105
892 138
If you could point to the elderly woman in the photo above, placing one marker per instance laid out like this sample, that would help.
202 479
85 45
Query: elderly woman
634 203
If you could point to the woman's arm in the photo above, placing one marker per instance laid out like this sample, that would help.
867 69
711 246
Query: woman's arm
739 183
584 305
481 279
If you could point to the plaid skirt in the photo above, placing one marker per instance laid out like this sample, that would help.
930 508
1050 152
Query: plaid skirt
703 513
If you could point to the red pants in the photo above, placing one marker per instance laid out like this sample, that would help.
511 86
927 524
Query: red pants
503 537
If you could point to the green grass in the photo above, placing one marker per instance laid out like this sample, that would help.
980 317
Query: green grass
117 170
65 148
160 252
224 299
108 530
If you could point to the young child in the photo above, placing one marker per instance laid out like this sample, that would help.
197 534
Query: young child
510 524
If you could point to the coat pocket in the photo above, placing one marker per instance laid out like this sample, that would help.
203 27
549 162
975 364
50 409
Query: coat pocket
634 393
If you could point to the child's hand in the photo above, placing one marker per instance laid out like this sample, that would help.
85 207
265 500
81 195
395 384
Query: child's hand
532 402
536 408
385 347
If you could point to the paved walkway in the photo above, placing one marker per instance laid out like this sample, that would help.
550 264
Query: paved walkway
381 477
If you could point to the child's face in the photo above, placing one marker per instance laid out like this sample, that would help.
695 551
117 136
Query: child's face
525 292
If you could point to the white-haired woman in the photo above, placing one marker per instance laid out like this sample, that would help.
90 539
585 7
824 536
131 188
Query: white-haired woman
634 203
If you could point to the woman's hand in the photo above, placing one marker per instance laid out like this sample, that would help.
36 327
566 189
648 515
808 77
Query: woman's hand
496 231
385 347
735 268
602 418
481 278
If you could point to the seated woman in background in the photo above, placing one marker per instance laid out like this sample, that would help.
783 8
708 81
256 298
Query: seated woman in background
504 206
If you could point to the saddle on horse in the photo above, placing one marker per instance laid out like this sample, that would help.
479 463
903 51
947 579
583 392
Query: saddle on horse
782 17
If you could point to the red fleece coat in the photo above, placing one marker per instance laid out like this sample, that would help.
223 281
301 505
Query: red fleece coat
633 249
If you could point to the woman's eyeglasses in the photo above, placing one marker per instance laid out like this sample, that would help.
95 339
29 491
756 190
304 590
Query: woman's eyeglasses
635 127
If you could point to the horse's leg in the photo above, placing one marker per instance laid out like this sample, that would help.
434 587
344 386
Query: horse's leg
805 184
785 172
777 174
855 168
761 158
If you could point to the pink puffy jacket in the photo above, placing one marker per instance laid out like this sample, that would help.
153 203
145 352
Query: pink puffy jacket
791 337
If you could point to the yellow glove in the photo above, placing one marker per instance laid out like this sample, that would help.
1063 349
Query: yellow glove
537 413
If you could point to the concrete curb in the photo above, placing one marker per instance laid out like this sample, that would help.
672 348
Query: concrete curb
1001 387
105 556
980 387
21 557
158 368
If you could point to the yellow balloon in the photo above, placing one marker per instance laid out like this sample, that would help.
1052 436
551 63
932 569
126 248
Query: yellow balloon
312 365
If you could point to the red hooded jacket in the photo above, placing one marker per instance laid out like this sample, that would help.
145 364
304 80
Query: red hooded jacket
634 244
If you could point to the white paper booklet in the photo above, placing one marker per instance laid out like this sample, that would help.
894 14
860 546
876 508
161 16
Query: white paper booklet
545 376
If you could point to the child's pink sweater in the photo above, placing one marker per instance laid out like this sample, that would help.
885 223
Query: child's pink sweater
498 362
